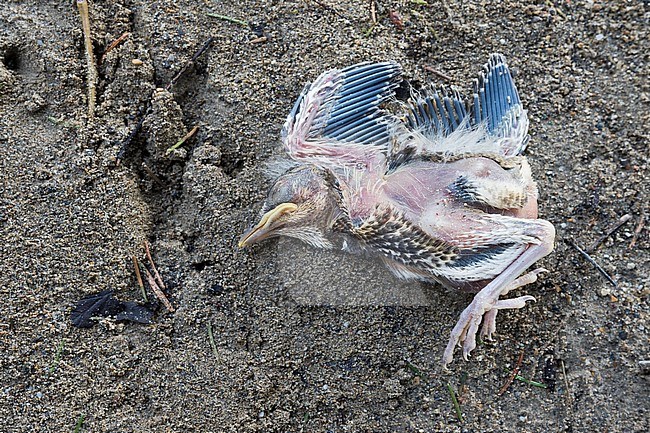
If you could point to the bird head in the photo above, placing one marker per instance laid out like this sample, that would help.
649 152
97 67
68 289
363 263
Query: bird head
300 205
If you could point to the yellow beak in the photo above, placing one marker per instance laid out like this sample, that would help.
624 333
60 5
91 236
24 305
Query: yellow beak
263 228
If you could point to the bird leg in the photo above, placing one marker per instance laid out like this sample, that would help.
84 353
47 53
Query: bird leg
490 318
486 302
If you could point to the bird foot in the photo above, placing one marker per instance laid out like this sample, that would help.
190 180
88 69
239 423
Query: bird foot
484 307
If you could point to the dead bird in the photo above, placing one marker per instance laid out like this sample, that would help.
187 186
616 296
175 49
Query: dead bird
436 188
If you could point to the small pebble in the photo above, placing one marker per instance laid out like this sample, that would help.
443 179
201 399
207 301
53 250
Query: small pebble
137 62
600 37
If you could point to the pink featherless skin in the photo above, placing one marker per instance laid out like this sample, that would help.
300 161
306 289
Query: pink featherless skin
439 191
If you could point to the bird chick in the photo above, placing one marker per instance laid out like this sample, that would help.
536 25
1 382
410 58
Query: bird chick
439 191
299 205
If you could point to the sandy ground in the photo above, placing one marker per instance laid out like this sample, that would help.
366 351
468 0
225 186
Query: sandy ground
305 340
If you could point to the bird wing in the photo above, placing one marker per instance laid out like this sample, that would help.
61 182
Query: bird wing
338 118
496 104
436 112
440 121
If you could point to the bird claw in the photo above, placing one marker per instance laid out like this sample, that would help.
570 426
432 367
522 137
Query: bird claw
489 324
484 308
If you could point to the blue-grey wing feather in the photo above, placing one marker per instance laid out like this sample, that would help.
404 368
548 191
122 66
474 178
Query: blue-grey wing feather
436 112
355 115
497 106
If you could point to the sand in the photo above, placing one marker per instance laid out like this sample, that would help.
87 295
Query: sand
305 340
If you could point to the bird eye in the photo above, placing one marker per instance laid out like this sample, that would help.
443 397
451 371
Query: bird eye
280 193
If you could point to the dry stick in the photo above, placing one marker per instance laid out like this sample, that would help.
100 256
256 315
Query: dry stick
436 72
258 40
157 290
638 229
180 142
139 277
625 218
114 44
593 262
373 11
212 343
190 62
511 378
153 266
566 381
152 175
82 5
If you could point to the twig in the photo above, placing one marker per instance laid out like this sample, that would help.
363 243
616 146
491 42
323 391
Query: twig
227 18
373 11
152 175
82 5
511 378
454 400
566 381
114 44
436 72
57 356
139 277
212 343
153 266
258 40
638 229
180 142
587 257
157 290
190 62
625 218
